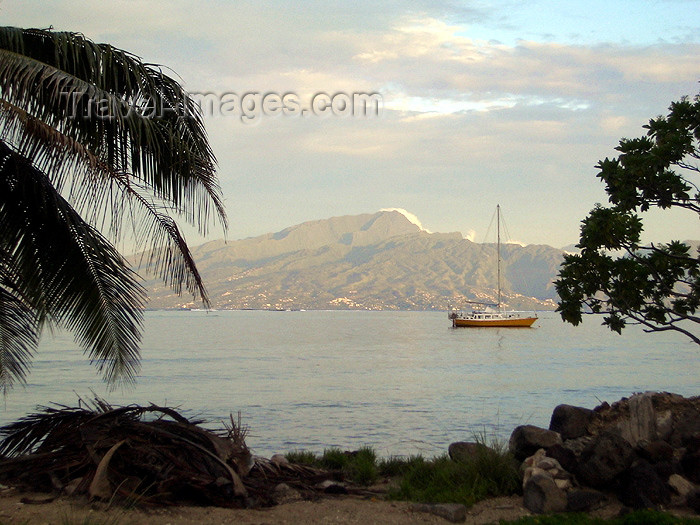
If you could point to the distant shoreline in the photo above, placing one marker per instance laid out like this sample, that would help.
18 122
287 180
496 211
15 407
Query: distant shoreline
184 309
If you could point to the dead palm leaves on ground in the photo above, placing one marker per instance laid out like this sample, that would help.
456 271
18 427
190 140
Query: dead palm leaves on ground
150 453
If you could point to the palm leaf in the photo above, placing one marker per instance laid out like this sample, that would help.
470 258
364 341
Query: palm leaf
67 173
55 75
19 329
108 201
108 164
69 273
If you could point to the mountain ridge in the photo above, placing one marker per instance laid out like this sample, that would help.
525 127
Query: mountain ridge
377 260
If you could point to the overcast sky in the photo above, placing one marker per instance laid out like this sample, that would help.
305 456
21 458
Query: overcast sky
506 102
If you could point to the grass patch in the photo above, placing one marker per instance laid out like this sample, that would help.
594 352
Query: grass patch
302 457
490 472
334 459
395 466
363 467
442 480
360 467
640 517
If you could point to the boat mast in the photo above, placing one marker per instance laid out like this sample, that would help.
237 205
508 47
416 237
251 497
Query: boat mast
498 250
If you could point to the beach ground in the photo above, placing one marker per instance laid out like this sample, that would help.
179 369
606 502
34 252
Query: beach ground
327 510
25 508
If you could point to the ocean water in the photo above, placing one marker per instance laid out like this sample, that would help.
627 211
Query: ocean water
401 382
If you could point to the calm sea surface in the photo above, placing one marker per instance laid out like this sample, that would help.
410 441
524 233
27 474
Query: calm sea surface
401 382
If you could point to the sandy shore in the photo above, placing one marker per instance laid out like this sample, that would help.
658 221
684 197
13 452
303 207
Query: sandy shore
330 510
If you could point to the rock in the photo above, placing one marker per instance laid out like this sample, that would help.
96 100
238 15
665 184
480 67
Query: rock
666 468
563 483
541 495
693 501
686 425
603 407
533 460
641 422
540 465
548 463
452 512
279 459
691 442
604 459
642 488
680 485
565 457
332 487
283 493
664 424
533 471
527 439
584 500
579 444
463 451
655 451
690 463
571 422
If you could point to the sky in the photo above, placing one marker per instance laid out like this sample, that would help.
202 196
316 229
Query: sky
481 103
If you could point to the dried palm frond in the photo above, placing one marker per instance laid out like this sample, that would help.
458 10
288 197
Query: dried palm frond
150 453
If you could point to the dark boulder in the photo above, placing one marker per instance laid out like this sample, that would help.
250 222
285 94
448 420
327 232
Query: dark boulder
665 469
604 459
642 488
571 422
541 495
686 426
693 501
584 500
565 456
655 451
528 439
463 451
690 463
692 442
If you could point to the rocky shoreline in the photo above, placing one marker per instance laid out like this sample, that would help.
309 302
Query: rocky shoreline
642 451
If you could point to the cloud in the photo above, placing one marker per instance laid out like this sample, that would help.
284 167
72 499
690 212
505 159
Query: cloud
470 235
411 217
479 107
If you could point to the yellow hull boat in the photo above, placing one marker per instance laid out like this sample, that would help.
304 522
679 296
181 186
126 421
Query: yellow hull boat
495 320
498 318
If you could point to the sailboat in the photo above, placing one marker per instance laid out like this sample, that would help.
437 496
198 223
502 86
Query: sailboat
492 315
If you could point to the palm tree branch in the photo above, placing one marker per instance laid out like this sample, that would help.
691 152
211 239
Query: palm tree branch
69 272
19 329
96 196
167 151
169 256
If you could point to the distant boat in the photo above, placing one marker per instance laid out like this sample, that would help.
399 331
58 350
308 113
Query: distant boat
492 315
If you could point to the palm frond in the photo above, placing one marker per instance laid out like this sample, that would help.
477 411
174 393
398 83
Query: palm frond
25 435
169 257
130 114
51 82
108 201
92 139
69 272
19 329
